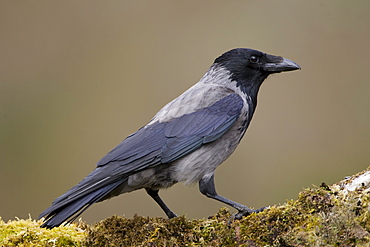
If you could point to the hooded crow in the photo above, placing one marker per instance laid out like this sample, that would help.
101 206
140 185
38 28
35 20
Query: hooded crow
184 142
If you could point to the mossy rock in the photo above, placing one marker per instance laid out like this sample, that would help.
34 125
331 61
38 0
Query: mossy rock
336 215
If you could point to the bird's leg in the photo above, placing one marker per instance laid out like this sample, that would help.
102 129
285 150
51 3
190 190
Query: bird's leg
207 187
154 194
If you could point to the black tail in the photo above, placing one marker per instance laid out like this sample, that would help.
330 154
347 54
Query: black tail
67 210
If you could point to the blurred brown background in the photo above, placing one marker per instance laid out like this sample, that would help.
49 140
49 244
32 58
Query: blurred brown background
77 77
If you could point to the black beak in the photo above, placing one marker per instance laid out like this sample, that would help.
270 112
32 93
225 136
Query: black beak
277 64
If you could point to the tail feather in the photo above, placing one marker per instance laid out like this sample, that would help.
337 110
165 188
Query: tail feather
60 211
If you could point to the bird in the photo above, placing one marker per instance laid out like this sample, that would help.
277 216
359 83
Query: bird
184 142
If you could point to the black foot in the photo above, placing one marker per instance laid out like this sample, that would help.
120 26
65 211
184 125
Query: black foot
247 212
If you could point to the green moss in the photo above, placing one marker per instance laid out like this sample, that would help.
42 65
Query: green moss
28 233
321 216
144 231
335 217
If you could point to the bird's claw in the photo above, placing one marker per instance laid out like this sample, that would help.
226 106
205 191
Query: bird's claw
243 213
171 215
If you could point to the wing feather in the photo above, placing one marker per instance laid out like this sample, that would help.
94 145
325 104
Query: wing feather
153 145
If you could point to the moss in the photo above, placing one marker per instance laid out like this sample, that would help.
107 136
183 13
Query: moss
28 233
144 231
321 216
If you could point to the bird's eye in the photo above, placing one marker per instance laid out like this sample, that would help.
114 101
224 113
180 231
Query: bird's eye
254 59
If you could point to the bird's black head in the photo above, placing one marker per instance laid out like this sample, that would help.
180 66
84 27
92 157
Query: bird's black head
249 68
